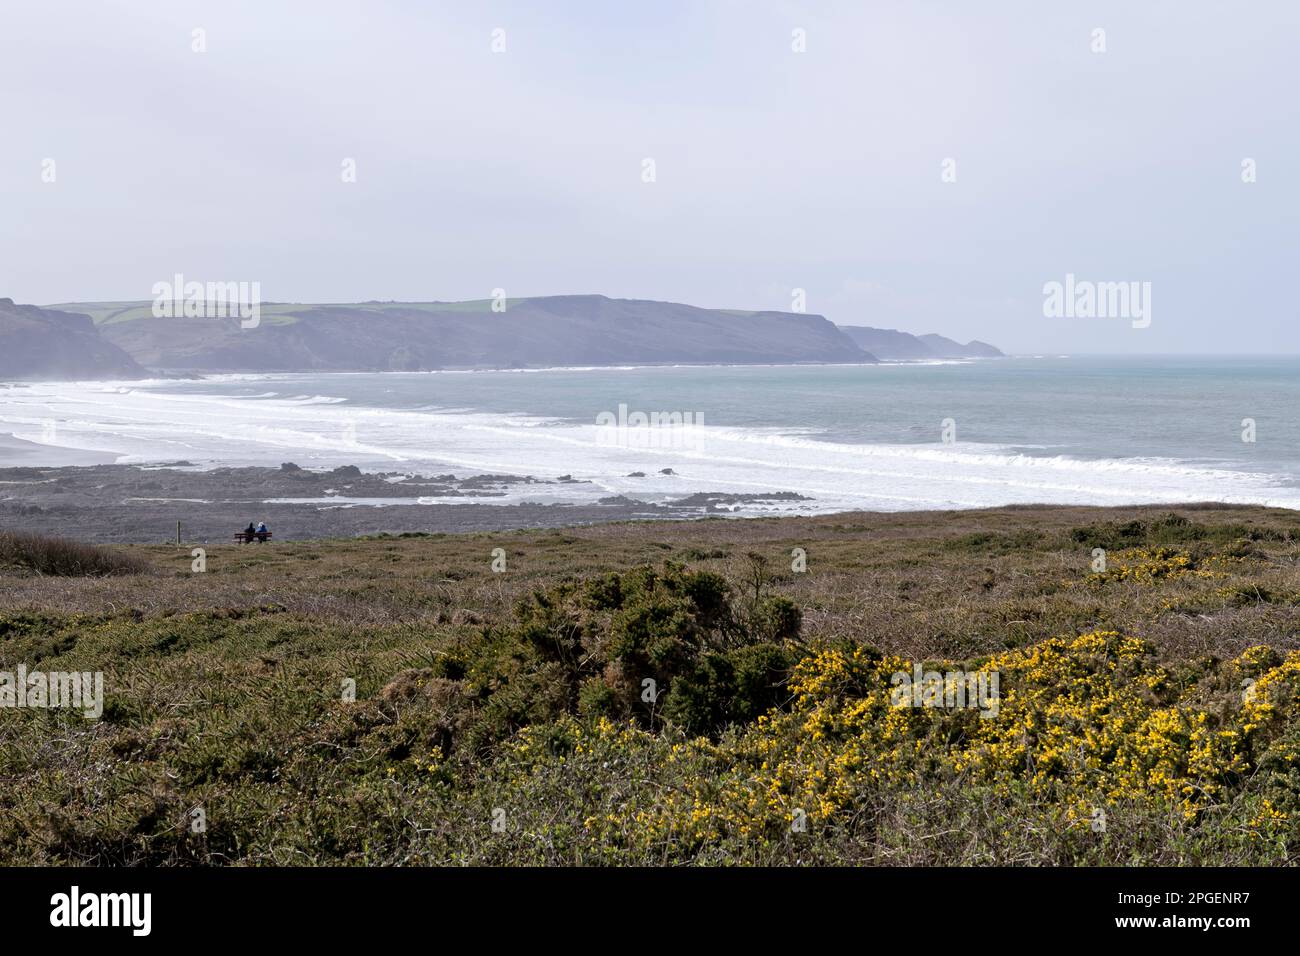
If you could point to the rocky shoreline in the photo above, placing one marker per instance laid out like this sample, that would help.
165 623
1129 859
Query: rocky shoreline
142 503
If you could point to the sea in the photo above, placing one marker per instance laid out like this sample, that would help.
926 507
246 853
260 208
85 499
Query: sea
795 439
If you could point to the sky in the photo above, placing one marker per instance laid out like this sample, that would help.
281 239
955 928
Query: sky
927 166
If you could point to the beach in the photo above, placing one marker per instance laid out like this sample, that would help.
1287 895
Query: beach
142 504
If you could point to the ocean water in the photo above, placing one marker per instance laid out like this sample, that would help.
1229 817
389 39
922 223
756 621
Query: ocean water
1071 430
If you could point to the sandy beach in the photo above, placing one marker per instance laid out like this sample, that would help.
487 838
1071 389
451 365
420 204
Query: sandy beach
19 452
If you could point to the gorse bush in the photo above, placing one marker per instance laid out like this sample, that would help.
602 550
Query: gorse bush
1169 529
1090 728
649 645
777 619
732 687
46 554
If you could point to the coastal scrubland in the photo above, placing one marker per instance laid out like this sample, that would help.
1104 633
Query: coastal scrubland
717 691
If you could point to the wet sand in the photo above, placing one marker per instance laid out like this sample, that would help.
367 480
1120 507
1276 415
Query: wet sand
18 451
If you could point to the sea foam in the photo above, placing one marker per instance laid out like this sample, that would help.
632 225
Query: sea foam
150 422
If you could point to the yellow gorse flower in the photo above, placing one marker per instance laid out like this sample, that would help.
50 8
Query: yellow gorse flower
1083 722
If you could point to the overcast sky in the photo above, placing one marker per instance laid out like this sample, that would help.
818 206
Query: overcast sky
774 169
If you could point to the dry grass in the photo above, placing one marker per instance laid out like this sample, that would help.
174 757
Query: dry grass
953 584
60 557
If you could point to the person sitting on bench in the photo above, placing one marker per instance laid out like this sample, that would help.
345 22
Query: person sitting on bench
263 532
249 532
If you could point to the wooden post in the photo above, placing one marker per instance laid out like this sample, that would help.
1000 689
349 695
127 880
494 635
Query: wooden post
178 532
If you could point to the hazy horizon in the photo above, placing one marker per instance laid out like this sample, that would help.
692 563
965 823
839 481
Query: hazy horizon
524 168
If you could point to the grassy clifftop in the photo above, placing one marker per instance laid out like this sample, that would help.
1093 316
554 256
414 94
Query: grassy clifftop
1146 711
534 331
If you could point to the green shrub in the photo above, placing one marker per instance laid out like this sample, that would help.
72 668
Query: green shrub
596 698
700 698
777 619
585 647
731 688
1170 529
760 672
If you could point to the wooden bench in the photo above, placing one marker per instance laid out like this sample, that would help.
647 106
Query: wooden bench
243 537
